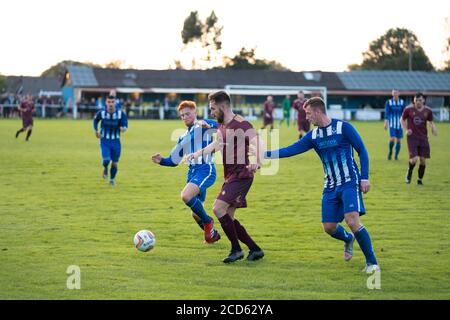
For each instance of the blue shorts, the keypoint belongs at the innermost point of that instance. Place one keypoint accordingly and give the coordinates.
(110, 149)
(203, 176)
(341, 200)
(396, 133)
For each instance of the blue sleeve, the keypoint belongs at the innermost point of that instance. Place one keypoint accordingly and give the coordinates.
(302, 145)
(175, 155)
(124, 121)
(386, 110)
(355, 140)
(97, 119)
(167, 162)
(212, 123)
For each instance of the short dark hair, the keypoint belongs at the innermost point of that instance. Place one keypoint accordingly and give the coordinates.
(111, 97)
(418, 95)
(315, 103)
(219, 97)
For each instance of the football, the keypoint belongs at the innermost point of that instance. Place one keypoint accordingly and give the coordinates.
(144, 240)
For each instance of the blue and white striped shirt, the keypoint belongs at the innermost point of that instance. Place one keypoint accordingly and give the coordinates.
(334, 144)
(111, 123)
(195, 138)
(393, 112)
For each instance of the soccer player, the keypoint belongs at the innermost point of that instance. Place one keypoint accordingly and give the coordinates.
(334, 141)
(286, 110)
(392, 118)
(26, 109)
(202, 172)
(113, 123)
(414, 121)
(269, 107)
(234, 137)
(303, 124)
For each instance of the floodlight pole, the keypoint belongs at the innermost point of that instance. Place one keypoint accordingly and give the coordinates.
(409, 54)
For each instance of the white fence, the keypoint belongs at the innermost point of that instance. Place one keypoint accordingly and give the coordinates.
(42, 110)
(439, 114)
(152, 112)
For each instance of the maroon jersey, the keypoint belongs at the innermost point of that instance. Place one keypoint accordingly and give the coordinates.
(417, 121)
(298, 105)
(236, 137)
(27, 109)
(268, 109)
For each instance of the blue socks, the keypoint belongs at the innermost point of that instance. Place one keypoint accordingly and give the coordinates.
(113, 172)
(198, 221)
(197, 207)
(391, 145)
(342, 234)
(363, 238)
(397, 149)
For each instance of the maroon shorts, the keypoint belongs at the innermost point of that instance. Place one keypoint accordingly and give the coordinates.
(418, 147)
(303, 125)
(26, 122)
(268, 120)
(234, 192)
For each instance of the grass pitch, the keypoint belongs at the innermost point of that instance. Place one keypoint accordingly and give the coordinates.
(56, 211)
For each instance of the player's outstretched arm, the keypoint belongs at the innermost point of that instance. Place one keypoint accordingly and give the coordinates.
(159, 159)
(355, 140)
(208, 124)
(176, 155)
(156, 158)
(166, 162)
(298, 147)
(210, 148)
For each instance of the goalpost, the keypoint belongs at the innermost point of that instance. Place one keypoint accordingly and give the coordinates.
(275, 90)
(255, 90)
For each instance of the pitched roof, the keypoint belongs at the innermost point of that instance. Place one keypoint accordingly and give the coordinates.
(353, 81)
(82, 76)
(216, 78)
(32, 85)
(401, 80)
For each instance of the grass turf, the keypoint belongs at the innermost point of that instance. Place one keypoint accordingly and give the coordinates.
(56, 211)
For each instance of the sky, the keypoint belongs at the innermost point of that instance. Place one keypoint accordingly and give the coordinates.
(302, 35)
